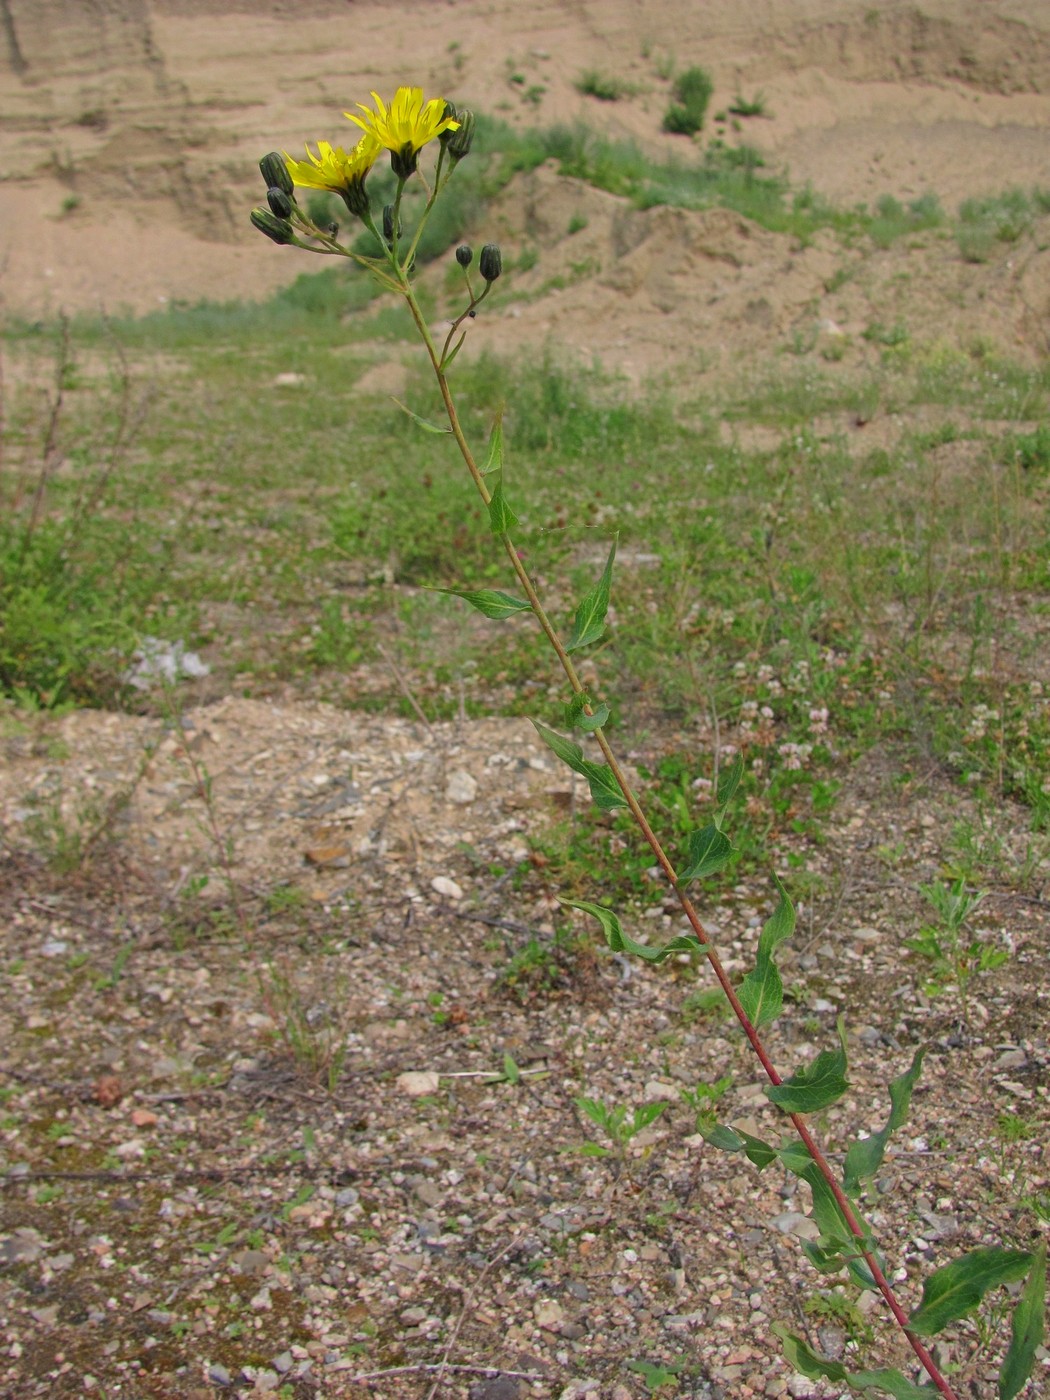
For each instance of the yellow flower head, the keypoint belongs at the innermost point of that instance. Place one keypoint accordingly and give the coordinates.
(406, 127)
(342, 172)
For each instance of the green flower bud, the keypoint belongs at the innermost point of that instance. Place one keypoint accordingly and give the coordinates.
(275, 172)
(388, 223)
(280, 230)
(355, 197)
(464, 255)
(279, 202)
(460, 142)
(490, 264)
(450, 111)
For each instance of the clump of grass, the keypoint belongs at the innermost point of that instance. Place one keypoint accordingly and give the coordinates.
(749, 107)
(692, 92)
(603, 86)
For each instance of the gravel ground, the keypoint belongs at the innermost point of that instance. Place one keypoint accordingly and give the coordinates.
(300, 1119)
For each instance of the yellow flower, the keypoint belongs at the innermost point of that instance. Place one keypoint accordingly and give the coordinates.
(342, 172)
(406, 127)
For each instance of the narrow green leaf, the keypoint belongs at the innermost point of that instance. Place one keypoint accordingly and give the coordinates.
(453, 352)
(620, 943)
(489, 601)
(494, 460)
(592, 1149)
(595, 1111)
(605, 790)
(565, 749)
(729, 780)
(890, 1380)
(805, 1360)
(1026, 1329)
(423, 422)
(590, 615)
(501, 517)
(779, 926)
(709, 850)
(864, 1157)
(728, 1139)
(761, 994)
(958, 1287)
(511, 1072)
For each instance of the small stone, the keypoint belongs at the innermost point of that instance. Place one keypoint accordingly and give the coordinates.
(328, 857)
(658, 1092)
(417, 1082)
(414, 1317)
(549, 1314)
(143, 1118)
(289, 379)
(447, 887)
(283, 1364)
(251, 1262)
(461, 788)
(792, 1222)
(218, 1375)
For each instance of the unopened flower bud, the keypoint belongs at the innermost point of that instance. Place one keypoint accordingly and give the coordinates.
(388, 223)
(461, 140)
(464, 255)
(275, 172)
(452, 113)
(280, 230)
(279, 202)
(490, 263)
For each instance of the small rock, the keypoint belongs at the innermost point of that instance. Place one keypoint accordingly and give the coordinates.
(658, 1092)
(549, 1314)
(496, 1388)
(417, 1082)
(792, 1222)
(251, 1262)
(328, 857)
(461, 788)
(413, 1317)
(53, 948)
(288, 379)
(446, 886)
(218, 1375)
(283, 1364)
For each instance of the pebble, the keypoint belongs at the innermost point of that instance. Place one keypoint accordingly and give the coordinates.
(792, 1222)
(461, 788)
(218, 1375)
(417, 1082)
(549, 1314)
(447, 887)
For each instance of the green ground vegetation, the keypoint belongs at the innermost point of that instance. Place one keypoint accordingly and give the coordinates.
(211, 476)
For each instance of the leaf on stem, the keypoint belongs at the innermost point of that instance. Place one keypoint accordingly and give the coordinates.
(494, 460)
(728, 1139)
(729, 781)
(590, 615)
(806, 1361)
(423, 422)
(489, 601)
(501, 517)
(1026, 1330)
(957, 1288)
(709, 850)
(816, 1086)
(605, 790)
(576, 714)
(452, 353)
(620, 943)
(761, 992)
(864, 1157)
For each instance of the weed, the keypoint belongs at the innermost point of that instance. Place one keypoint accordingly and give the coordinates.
(605, 88)
(955, 960)
(614, 1123)
(749, 107)
(692, 92)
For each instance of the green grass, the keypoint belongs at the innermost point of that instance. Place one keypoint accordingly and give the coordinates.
(288, 529)
(603, 86)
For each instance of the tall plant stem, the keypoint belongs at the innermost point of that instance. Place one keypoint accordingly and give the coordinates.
(665, 863)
